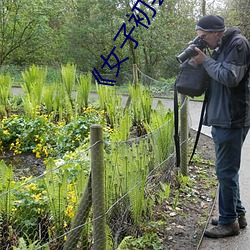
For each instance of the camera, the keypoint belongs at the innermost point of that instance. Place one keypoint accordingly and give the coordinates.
(190, 51)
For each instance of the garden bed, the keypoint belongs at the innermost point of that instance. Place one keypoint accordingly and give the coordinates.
(179, 221)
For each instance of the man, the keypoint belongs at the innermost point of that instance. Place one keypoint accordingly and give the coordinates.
(228, 112)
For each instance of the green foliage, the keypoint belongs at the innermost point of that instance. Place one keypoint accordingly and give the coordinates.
(141, 103)
(110, 102)
(43, 137)
(33, 85)
(128, 161)
(56, 183)
(63, 105)
(68, 74)
(48, 98)
(5, 90)
(122, 126)
(176, 199)
(147, 241)
(83, 91)
(23, 25)
(6, 184)
(30, 206)
(161, 126)
(164, 191)
(184, 181)
(126, 172)
(29, 245)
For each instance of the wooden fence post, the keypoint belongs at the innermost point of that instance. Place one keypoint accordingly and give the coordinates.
(135, 74)
(98, 194)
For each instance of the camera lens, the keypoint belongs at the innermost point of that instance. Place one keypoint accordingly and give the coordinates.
(187, 53)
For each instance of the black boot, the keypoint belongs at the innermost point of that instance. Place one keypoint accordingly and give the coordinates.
(221, 231)
(241, 219)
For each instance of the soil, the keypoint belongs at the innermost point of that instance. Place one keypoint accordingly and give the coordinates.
(25, 164)
(186, 223)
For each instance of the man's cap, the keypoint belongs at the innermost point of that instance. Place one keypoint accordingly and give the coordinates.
(210, 23)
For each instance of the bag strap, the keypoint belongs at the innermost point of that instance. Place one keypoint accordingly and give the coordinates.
(199, 127)
(176, 126)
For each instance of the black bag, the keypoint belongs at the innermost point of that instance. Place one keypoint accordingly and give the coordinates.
(192, 80)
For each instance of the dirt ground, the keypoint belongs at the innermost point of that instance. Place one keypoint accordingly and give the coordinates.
(187, 223)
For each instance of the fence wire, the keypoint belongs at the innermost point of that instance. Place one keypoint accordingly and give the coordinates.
(44, 210)
(41, 210)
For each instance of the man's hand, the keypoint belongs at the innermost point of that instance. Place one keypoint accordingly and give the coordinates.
(200, 58)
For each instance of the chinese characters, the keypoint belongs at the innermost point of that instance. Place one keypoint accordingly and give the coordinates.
(140, 18)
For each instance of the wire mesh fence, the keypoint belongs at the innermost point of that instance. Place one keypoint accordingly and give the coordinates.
(46, 210)
(56, 209)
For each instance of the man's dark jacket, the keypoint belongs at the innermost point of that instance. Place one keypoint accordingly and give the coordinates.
(228, 103)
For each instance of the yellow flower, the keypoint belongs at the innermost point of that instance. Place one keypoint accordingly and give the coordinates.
(73, 199)
(31, 187)
(6, 132)
(17, 152)
(103, 112)
(45, 151)
(14, 209)
(38, 156)
(37, 196)
(69, 211)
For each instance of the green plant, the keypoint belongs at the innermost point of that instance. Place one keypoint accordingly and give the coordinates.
(161, 128)
(184, 181)
(43, 137)
(34, 81)
(147, 241)
(23, 134)
(164, 191)
(56, 187)
(6, 196)
(176, 199)
(48, 98)
(68, 74)
(123, 124)
(126, 172)
(110, 102)
(5, 90)
(83, 91)
(29, 244)
(30, 208)
(104, 95)
(141, 103)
